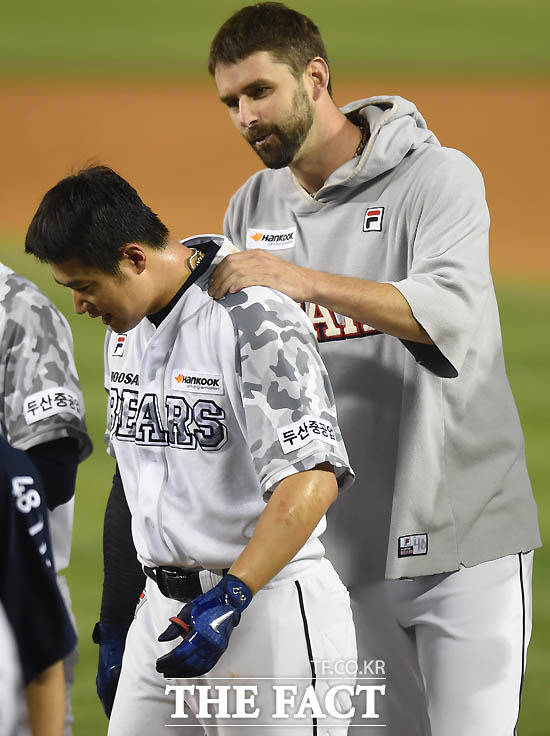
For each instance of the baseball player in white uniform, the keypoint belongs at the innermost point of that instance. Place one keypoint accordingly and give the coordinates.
(223, 425)
(42, 412)
(409, 331)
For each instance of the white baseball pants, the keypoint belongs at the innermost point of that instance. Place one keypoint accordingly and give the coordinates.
(472, 629)
(298, 624)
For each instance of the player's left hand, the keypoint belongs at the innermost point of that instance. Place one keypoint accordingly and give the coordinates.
(258, 267)
(206, 624)
(112, 640)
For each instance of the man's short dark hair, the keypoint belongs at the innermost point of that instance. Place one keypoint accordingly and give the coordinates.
(91, 216)
(291, 37)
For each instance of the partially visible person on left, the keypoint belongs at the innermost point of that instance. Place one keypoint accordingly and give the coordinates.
(32, 612)
(42, 413)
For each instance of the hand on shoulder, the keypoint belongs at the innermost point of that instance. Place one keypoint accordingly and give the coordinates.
(258, 268)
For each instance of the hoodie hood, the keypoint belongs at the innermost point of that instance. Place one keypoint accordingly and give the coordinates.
(396, 127)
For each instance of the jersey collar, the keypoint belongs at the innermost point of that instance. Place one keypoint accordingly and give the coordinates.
(210, 249)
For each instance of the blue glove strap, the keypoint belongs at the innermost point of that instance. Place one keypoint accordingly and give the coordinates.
(238, 593)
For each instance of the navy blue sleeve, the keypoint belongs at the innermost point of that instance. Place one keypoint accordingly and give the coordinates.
(28, 585)
(56, 462)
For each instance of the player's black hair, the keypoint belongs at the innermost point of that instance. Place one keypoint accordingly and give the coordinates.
(91, 216)
(291, 37)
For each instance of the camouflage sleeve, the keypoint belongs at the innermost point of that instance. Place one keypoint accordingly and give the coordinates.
(288, 401)
(40, 395)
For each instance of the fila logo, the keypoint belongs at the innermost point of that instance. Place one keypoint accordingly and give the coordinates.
(203, 383)
(270, 239)
(120, 345)
(373, 219)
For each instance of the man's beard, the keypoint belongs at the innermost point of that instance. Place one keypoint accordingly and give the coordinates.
(287, 137)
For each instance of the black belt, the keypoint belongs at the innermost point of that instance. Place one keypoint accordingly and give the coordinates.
(177, 582)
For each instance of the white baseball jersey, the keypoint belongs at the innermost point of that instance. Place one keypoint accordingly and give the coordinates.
(432, 431)
(40, 396)
(212, 404)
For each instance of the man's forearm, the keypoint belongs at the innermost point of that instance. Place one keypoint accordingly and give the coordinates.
(376, 304)
(46, 702)
(289, 518)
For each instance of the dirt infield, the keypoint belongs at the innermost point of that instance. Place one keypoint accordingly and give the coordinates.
(175, 143)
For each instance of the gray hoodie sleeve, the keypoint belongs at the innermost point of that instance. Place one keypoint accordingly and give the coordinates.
(227, 229)
(449, 280)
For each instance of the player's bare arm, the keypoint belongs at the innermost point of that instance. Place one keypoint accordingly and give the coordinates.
(290, 516)
(45, 697)
(377, 304)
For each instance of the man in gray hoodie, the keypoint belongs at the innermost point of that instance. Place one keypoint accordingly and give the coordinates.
(382, 235)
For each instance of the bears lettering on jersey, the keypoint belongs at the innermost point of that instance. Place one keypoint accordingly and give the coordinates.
(328, 327)
(175, 422)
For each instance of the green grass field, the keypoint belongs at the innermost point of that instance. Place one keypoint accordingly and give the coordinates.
(525, 313)
(169, 38)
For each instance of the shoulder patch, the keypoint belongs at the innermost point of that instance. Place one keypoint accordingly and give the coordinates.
(51, 401)
(308, 429)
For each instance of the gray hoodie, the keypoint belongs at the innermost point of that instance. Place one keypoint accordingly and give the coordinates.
(432, 431)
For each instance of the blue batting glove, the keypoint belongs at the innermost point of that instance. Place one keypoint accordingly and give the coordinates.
(206, 624)
(112, 640)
